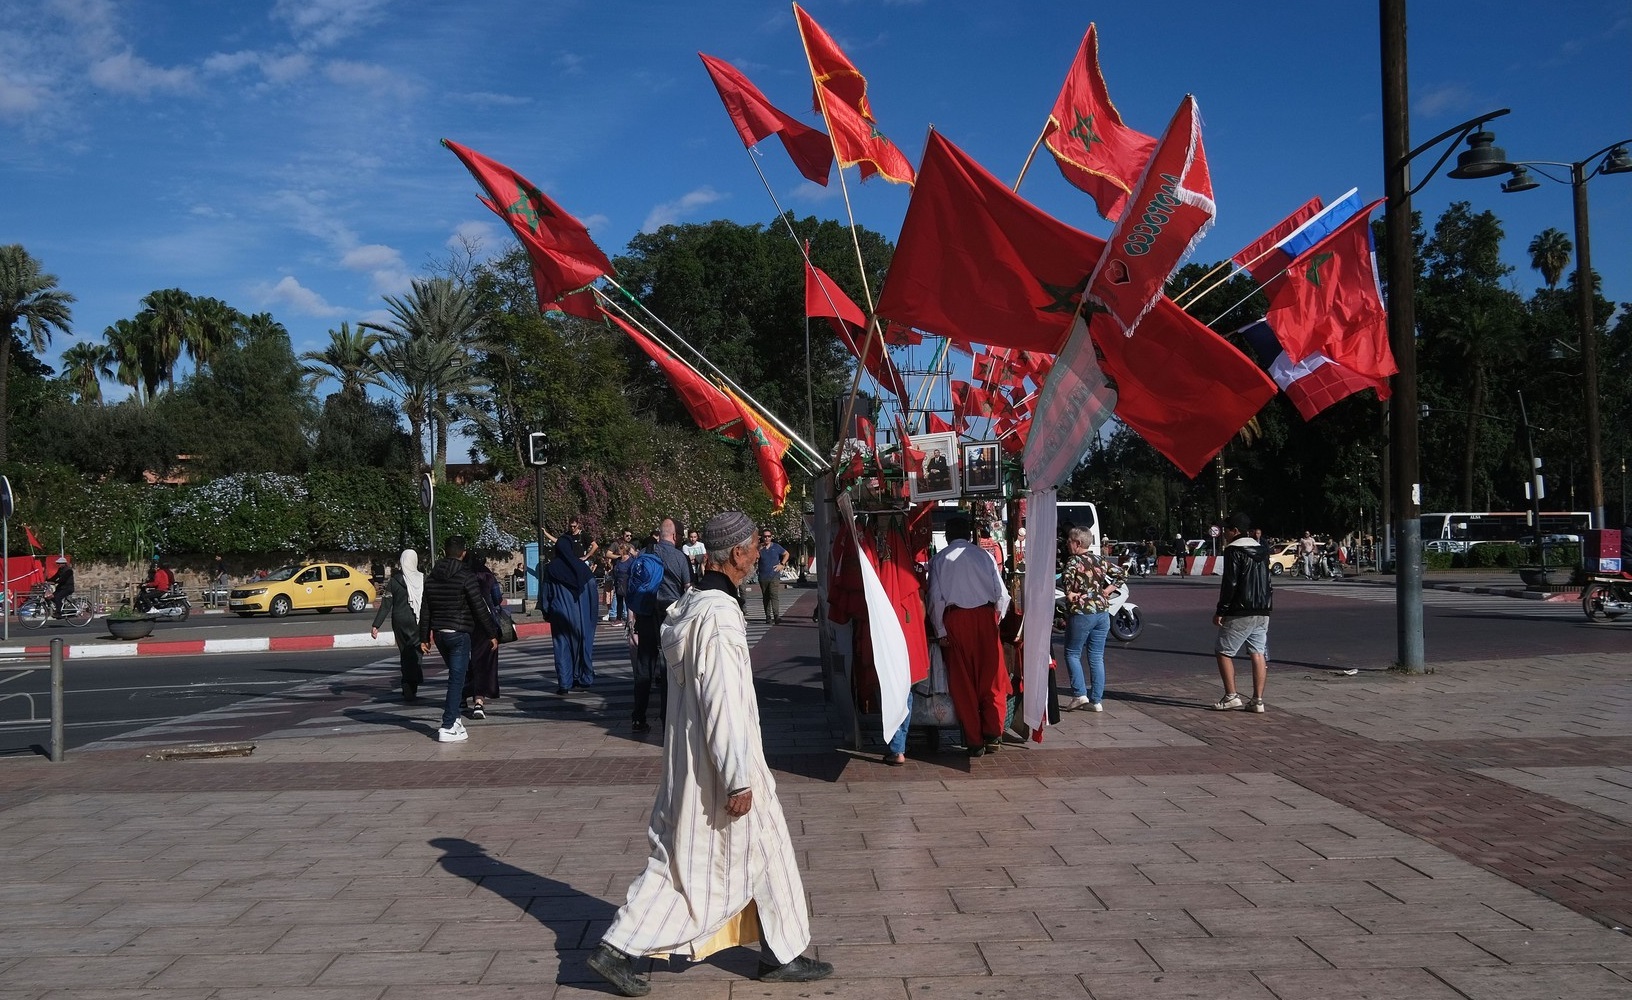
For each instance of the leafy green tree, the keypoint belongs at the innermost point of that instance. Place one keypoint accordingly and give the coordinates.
(1550, 254)
(247, 412)
(349, 360)
(31, 306)
(355, 432)
(84, 366)
(122, 442)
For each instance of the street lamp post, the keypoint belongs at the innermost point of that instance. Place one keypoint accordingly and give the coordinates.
(1618, 161)
(1481, 159)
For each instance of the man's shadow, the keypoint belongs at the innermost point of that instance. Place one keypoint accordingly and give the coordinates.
(576, 919)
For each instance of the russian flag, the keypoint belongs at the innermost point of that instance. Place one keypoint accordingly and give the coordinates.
(1312, 384)
(1317, 228)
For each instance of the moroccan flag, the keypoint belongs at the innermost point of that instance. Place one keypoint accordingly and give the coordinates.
(1249, 254)
(897, 335)
(912, 459)
(581, 304)
(768, 445)
(1093, 149)
(1314, 229)
(756, 118)
(1171, 210)
(708, 405)
(825, 299)
(995, 368)
(936, 424)
(977, 263)
(1329, 301)
(33, 543)
(564, 256)
(1312, 384)
(970, 401)
(840, 94)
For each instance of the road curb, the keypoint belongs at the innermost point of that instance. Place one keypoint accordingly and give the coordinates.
(257, 644)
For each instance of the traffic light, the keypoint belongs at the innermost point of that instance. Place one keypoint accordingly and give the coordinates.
(538, 449)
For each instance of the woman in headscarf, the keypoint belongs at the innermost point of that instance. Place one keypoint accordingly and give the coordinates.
(572, 616)
(404, 591)
(482, 679)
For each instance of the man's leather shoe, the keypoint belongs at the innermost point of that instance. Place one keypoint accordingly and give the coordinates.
(800, 970)
(619, 969)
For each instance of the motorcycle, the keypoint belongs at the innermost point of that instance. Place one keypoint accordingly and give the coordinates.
(1606, 598)
(1126, 620)
(165, 606)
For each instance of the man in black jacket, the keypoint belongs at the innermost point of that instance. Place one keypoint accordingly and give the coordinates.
(455, 613)
(1242, 616)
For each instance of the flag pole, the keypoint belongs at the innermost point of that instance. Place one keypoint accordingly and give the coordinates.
(1186, 292)
(765, 412)
(1026, 167)
(1249, 295)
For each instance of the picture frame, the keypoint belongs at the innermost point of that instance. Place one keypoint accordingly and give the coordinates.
(939, 478)
(982, 467)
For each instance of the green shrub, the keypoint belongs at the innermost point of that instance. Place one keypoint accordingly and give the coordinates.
(1496, 554)
(1438, 560)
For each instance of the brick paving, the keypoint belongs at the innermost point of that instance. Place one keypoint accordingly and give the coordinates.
(1376, 836)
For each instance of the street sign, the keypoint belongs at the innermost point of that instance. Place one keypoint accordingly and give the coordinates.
(1213, 532)
(7, 502)
(427, 492)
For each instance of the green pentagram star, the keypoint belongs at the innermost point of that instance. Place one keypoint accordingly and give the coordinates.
(1313, 273)
(1084, 132)
(1065, 298)
(529, 208)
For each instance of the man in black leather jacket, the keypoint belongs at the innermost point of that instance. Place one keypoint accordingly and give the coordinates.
(456, 615)
(1242, 616)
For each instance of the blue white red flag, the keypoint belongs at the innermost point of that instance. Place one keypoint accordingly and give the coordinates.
(1312, 384)
(1312, 231)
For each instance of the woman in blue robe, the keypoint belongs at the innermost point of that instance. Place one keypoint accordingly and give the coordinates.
(572, 602)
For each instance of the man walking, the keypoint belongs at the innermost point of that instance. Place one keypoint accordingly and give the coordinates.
(967, 599)
(1242, 615)
(722, 871)
(772, 557)
(650, 607)
(454, 612)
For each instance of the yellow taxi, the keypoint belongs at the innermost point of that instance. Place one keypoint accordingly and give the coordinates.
(318, 585)
(1284, 558)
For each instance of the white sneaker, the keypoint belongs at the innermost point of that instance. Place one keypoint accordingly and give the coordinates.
(1095, 706)
(1228, 702)
(1072, 704)
(453, 734)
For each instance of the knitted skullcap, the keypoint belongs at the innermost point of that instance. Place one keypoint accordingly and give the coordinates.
(727, 530)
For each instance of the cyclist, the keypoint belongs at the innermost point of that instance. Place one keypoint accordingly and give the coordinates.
(63, 583)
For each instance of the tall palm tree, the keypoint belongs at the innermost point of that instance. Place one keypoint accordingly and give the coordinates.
(171, 326)
(30, 297)
(443, 313)
(135, 363)
(349, 360)
(260, 326)
(1550, 254)
(84, 366)
(214, 326)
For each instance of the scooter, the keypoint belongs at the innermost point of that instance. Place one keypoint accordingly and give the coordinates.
(1606, 598)
(1126, 620)
(169, 606)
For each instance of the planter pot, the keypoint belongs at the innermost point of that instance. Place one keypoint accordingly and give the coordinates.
(1536, 577)
(129, 628)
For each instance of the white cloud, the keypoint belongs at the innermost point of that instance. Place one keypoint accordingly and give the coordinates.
(569, 63)
(128, 73)
(1439, 100)
(596, 221)
(808, 191)
(368, 76)
(324, 23)
(292, 294)
(18, 98)
(488, 99)
(670, 212)
(476, 231)
(386, 273)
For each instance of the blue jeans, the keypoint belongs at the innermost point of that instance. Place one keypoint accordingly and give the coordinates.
(1089, 631)
(898, 742)
(455, 650)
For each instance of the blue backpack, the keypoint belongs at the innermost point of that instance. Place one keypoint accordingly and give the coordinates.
(645, 576)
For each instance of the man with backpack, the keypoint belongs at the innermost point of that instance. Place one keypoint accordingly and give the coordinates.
(657, 578)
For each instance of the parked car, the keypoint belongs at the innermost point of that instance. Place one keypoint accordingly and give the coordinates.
(317, 586)
(1283, 558)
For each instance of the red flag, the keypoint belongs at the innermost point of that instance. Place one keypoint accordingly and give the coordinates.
(995, 368)
(564, 256)
(1328, 301)
(581, 304)
(1262, 245)
(840, 94)
(970, 401)
(768, 445)
(708, 405)
(1172, 209)
(824, 298)
(865, 430)
(1312, 384)
(936, 423)
(756, 118)
(912, 459)
(976, 263)
(1092, 147)
(897, 335)
(33, 543)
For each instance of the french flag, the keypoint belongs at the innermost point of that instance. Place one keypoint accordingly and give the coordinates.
(1312, 384)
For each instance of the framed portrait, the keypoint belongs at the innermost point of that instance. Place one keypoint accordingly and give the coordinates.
(938, 479)
(980, 467)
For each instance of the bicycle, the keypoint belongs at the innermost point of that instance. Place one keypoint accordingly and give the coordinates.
(39, 608)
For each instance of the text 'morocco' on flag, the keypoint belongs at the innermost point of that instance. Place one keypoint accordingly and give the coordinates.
(757, 118)
(1168, 213)
(1085, 134)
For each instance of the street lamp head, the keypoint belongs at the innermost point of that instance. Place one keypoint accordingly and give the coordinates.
(1482, 158)
(1520, 181)
(1617, 162)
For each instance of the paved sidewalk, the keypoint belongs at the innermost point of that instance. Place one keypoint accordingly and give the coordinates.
(1462, 835)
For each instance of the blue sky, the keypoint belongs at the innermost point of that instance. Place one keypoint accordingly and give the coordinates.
(283, 156)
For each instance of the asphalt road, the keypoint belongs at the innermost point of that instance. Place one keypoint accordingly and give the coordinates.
(1316, 626)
